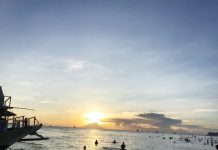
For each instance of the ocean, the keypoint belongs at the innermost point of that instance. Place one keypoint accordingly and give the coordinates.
(62, 138)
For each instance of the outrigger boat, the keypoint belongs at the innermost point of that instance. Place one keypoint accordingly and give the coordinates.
(14, 129)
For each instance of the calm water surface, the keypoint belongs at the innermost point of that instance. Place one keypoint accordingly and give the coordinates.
(74, 139)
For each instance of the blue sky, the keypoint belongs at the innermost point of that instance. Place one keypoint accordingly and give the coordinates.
(112, 56)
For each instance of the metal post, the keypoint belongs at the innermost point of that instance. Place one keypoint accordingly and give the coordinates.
(23, 121)
(10, 102)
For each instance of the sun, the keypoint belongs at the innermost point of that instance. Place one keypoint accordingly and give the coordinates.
(94, 117)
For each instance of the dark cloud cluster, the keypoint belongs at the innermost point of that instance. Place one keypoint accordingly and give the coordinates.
(155, 120)
(190, 126)
(128, 122)
(159, 120)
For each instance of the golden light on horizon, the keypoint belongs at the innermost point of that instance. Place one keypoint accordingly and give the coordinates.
(94, 117)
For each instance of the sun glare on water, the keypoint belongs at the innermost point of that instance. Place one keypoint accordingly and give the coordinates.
(94, 117)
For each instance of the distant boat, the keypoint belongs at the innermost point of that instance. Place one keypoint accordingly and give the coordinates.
(212, 134)
(13, 128)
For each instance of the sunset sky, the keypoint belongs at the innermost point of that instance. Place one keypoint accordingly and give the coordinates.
(131, 63)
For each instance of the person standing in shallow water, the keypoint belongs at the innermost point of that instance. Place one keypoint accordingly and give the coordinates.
(96, 142)
(123, 146)
(84, 148)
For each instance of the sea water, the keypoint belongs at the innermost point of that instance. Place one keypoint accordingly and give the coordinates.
(62, 138)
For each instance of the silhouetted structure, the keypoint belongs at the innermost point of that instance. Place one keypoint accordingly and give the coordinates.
(1, 97)
(212, 134)
(13, 128)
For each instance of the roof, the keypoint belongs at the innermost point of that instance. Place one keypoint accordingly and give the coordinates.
(6, 113)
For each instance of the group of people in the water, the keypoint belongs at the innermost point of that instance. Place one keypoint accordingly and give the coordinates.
(209, 141)
(123, 146)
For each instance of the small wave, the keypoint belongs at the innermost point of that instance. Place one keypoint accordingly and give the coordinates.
(67, 137)
(16, 149)
(110, 148)
(32, 143)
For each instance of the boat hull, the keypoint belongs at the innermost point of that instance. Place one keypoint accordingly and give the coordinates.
(10, 137)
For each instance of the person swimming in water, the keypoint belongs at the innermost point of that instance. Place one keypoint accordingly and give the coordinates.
(96, 142)
(123, 146)
(114, 142)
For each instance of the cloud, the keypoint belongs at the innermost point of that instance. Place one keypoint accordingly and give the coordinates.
(205, 110)
(74, 65)
(45, 101)
(79, 65)
(93, 126)
(153, 120)
(189, 126)
(127, 122)
(160, 120)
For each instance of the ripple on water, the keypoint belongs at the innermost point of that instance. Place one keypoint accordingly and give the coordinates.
(75, 139)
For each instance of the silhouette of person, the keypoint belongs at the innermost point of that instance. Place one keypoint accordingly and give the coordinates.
(123, 146)
(84, 148)
(216, 147)
(25, 122)
(18, 124)
(114, 142)
(14, 123)
(96, 142)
